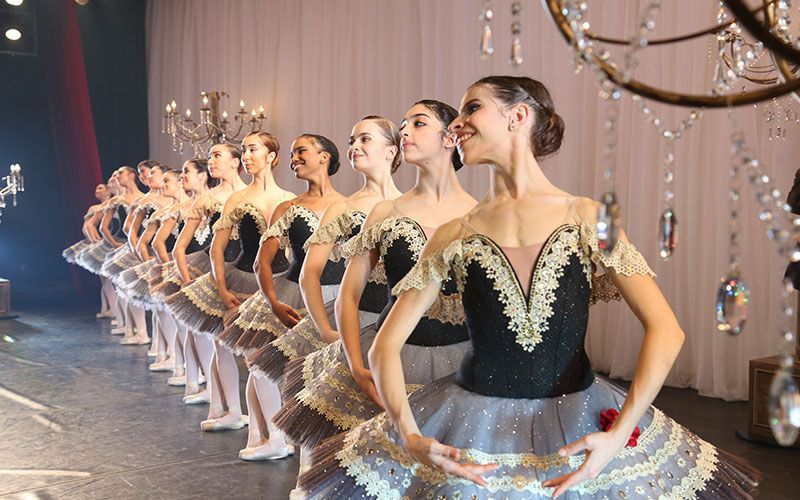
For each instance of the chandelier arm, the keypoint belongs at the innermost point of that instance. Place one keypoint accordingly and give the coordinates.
(762, 33)
(785, 73)
(666, 96)
(680, 38)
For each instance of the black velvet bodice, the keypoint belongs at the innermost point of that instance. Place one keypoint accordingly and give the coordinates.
(194, 245)
(400, 246)
(374, 297)
(231, 249)
(249, 237)
(118, 221)
(301, 225)
(526, 347)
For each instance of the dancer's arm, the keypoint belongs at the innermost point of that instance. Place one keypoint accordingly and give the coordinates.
(222, 236)
(191, 224)
(663, 338)
(90, 227)
(263, 269)
(136, 219)
(105, 230)
(387, 368)
(160, 239)
(143, 243)
(354, 281)
(313, 266)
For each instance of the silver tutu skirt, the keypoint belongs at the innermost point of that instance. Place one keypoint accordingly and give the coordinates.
(303, 340)
(321, 399)
(94, 256)
(118, 261)
(255, 324)
(134, 285)
(72, 251)
(198, 306)
(166, 279)
(523, 437)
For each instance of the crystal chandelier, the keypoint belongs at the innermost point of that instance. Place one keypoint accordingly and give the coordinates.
(212, 127)
(15, 183)
(756, 59)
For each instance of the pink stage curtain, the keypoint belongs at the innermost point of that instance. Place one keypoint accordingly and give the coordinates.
(320, 65)
(77, 157)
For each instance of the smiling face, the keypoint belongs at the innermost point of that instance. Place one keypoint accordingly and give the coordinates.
(221, 161)
(256, 156)
(424, 137)
(307, 158)
(369, 148)
(481, 128)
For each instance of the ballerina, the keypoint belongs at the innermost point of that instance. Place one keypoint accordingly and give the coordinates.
(332, 389)
(91, 220)
(279, 306)
(524, 417)
(202, 305)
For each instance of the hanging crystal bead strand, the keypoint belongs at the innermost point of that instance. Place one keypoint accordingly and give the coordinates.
(668, 223)
(609, 211)
(733, 296)
(784, 399)
(486, 47)
(516, 29)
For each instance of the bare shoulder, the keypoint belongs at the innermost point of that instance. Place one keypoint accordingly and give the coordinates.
(233, 201)
(333, 211)
(380, 212)
(586, 209)
(280, 210)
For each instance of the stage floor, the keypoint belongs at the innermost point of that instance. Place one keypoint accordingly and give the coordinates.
(81, 417)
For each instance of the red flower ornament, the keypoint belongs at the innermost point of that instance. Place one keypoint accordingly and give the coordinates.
(607, 418)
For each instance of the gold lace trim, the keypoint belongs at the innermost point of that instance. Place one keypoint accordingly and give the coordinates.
(281, 226)
(435, 268)
(352, 459)
(625, 259)
(335, 231)
(231, 219)
(378, 274)
(204, 213)
(382, 234)
(201, 292)
(447, 309)
(304, 329)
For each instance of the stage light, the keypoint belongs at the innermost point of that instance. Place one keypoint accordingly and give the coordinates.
(13, 34)
(81, 2)
(15, 3)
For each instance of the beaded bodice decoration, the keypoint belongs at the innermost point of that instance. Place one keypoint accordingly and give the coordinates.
(337, 231)
(247, 224)
(399, 241)
(293, 230)
(527, 346)
(146, 210)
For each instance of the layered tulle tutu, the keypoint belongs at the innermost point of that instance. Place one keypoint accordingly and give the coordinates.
(198, 306)
(134, 283)
(94, 256)
(166, 279)
(523, 437)
(255, 324)
(320, 397)
(71, 252)
(302, 340)
(118, 261)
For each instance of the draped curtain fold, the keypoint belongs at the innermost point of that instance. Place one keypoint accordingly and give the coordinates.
(320, 65)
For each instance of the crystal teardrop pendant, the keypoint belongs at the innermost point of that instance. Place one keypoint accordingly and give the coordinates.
(784, 407)
(516, 52)
(608, 222)
(667, 233)
(733, 300)
(487, 45)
